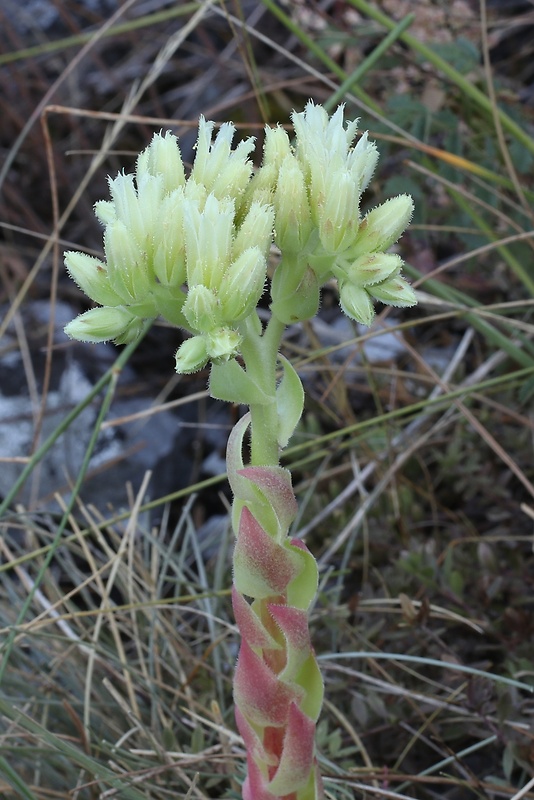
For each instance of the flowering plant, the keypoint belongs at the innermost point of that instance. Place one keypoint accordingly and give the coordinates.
(194, 250)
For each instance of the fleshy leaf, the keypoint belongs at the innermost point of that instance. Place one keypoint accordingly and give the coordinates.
(250, 626)
(297, 758)
(230, 382)
(262, 567)
(276, 489)
(293, 622)
(259, 694)
(289, 402)
(303, 587)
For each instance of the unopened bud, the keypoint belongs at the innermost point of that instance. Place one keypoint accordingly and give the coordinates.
(223, 344)
(356, 303)
(105, 211)
(374, 268)
(127, 268)
(222, 171)
(91, 276)
(261, 187)
(201, 309)
(103, 324)
(395, 292)
(150, 197)
(276, 147)
(192, 355)
(382, 226)
(169, 248)
(126, 203)
(362, 161)
(208, 240)
(256, 230)
(162, 157)
(242, 285)
(338, 221)
(293, 223)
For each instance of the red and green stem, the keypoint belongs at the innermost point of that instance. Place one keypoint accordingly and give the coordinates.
(277, 687)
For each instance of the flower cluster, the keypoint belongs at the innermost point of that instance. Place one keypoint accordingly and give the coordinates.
(174, 248)
(194, 249)
(317, 189)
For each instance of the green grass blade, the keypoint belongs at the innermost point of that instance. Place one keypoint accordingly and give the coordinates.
(82, 38)
(114, 375)
(73, 754)
(318, 52)
(465, 86)
(349, 84)
(15, 781)
(433, 662)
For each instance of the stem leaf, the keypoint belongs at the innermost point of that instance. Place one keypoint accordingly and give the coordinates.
(232, 383)
(289, 402)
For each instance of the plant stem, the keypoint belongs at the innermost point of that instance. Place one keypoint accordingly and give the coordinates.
(260, 354)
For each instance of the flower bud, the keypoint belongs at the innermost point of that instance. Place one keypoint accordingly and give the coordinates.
(103, 324)
(382, 226)
(126, 203)
(356, 303)
(169, 248)
(192, 355)
(150, 195)
(395, 292)
(338, 220)
(233, 179)
(196, 193)
(162, 157)
(373, 268)
(127, 268)
(242, 285)
(208, 240)
(91, 276)
(322, 142)
(201, 309)
(211, 155)
(256, 230)
(276, 147)
(260, 189)
(105, 211)
(310, 129)
(293, 223)
(362, 162)
(222, 171)
(222, 344)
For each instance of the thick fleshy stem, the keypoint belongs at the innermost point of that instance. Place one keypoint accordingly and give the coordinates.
(278, 688)
(260, 354)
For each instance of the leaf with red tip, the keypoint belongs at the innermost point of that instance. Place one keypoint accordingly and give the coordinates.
(297, 757)
(293, 622)
(275, 485)
(250, 626)
(258, 693)
(255, 785)
(262, 567)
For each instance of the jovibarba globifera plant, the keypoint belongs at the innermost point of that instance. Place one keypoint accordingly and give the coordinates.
(193, 249)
